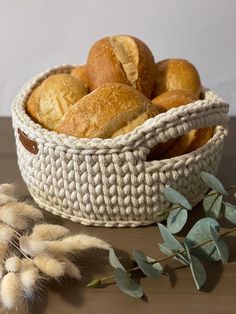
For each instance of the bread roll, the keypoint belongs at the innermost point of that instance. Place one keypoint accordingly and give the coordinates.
(172, 74)
(121, 59)
(110, 110)
(80, 73)
(174, 98)
(51, 100)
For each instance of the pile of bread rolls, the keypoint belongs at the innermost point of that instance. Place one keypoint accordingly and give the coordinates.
(118, 89)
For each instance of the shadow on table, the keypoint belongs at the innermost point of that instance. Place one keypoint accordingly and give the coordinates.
(92, 264)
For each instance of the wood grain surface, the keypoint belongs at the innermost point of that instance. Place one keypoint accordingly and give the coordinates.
(173, 294)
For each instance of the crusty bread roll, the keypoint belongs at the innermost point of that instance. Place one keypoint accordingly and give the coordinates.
(80, 73)
(174, 98)
(121, 59)
(183, 144)
(110, 110)
(50, 100)
(172, 74)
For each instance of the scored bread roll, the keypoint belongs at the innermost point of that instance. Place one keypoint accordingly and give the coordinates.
(80, 73)
(110, 110)
(121, 59)
(172, 74)
(50, 100)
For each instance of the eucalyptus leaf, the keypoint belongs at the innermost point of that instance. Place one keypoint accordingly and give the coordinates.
(164, 249)
(176, 198)
(230, 212)
(95, 283)
(113, 260)
(212, 204)
(200, 233)
(150, 259)
(169, 239)
(151, 271)
(180, 257)
(127, 284)
(197, 269)
(220, 245)
(213, 182)
(176, 220)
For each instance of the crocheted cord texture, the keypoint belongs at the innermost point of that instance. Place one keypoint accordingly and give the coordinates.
(108, 182)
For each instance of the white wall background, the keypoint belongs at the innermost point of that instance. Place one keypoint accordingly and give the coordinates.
(37, 34)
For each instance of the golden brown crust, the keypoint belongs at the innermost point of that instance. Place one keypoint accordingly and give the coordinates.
(121, 59)
(80, 73)
(174, 74)
(146, 68)
(202, 136)
(181, 145)
(49, 102)
(110, 110)
(31, 106)
(169, 100)
(174, 98)
(103, 66)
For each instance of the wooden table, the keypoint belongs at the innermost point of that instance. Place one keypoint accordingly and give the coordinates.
(176, 294)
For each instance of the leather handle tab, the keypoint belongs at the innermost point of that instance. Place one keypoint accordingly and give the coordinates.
(29, 144)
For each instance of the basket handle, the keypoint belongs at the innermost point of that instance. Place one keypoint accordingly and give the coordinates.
(179, 121)
(28, 144)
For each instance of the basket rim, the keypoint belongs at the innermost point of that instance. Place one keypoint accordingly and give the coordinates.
(133, 139)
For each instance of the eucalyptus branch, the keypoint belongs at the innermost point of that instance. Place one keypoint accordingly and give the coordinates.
(166, 258)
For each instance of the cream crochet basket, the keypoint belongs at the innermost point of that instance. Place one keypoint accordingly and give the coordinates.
(110, 182)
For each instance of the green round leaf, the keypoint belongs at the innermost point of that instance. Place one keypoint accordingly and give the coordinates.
(200, 233)
(176, 198)
(151, 271)
(230, 212)
(176, 220)
(164, 249)
(127, 284)
(213, 182)
(197, 269)
(212, 205)
(220, 245)
(169, 239)
(113, 260)
(181, 257)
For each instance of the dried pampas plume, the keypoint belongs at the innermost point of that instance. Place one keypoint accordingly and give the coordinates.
(31, 250)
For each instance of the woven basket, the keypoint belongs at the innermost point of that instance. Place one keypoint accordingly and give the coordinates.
(109, 182)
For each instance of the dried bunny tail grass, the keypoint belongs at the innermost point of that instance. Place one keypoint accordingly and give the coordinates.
(6, 233)
(13, 264)
(4, 199)
(11, 291)
(1, 270)
(48, 232)
(76, 243)
(29, 276)
(7, 189)
(50, 266)
(71, 269)
(27, 263)
(17, 214)
(31, 246)
(8, 216)
(3, 250)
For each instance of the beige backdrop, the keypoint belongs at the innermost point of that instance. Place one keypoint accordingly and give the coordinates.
(38, 34)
